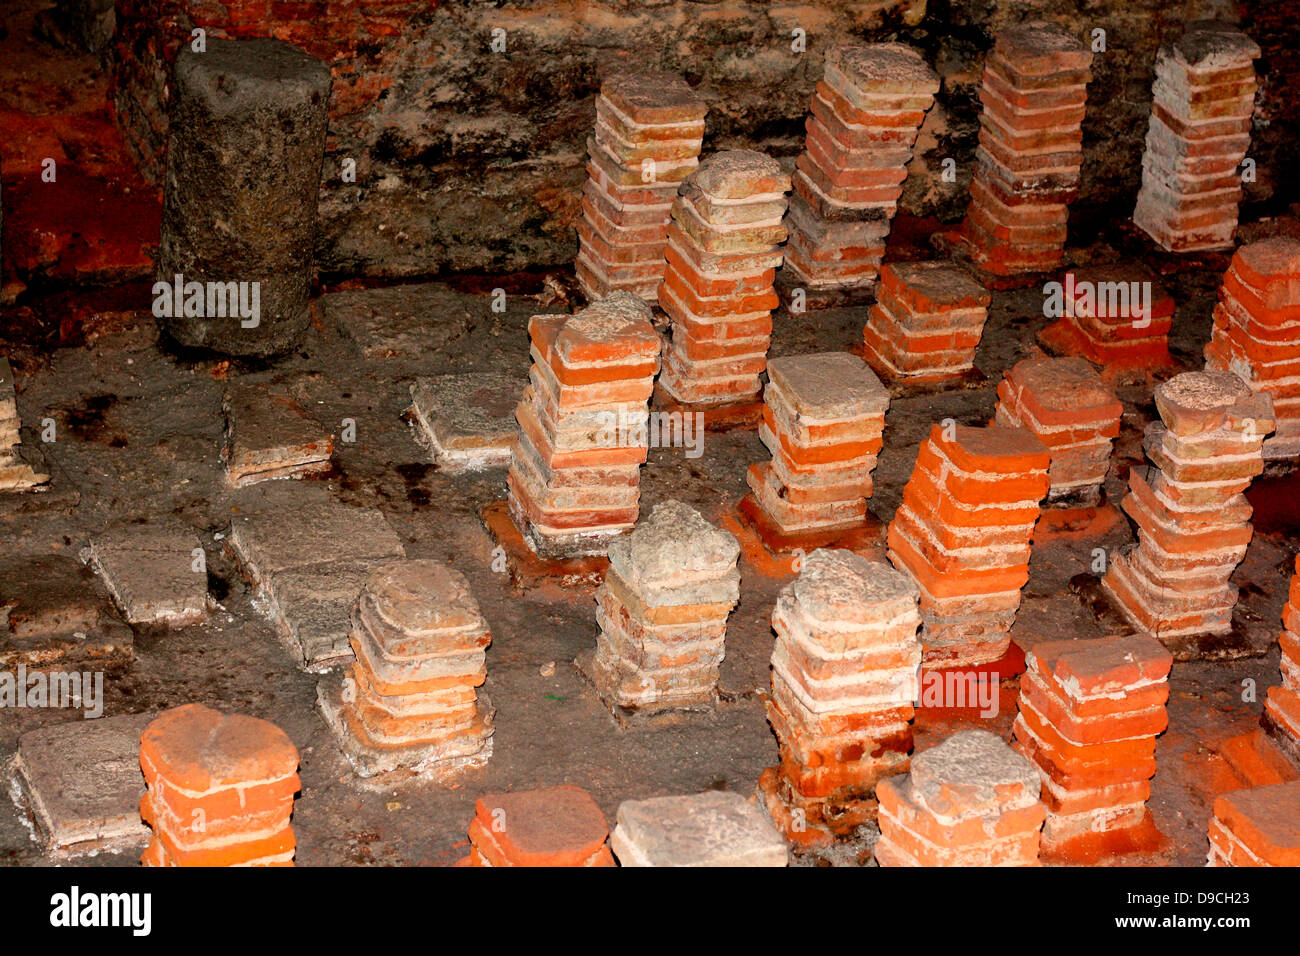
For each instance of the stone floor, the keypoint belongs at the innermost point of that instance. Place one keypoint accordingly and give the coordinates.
(139, 435)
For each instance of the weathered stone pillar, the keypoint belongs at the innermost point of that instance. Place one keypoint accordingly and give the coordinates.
(247, 140)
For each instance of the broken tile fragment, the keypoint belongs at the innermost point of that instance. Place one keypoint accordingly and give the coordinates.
(844, 679)
(55, 613)
(467, 420)
(155, 571)
(662, 611)
(20, 470)
(220, 789)
(409, 700)
(555, 826)
(82, 784)
(268, 436)
(968, 801)
(714, 828)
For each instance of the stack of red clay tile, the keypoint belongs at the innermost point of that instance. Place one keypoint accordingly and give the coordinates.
(649, 127)
(823, 421)
(1203, 98)
(1066, 404)
(963, 532)
(843, 685)
(556, 826)
(926, 323)
(220, 789)
(1034, 94)
(1257, 332)
(969, 801)
(1192, 516)
(575, 473)
(866, 115)
(420, 645)
(1117, 316)
(1282, 708)
(1257, 827)
(662, 610)
(722, 253)
(1090, 711)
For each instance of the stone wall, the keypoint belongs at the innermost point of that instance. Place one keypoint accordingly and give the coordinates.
(470, 158)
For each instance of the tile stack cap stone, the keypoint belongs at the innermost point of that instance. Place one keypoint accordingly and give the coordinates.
(973, 769)
(1041, 49)
(1269, 262)
(654, 96)
(1071, 385)
(943, 285)
(422, 598)
(838, 587)
(675, 544)
(621, 317)
(198, 749)
(843, 385)
(1195, 402)
(883, 68)
(555, 826)
(738, 174)
(994, 449)
(714, 828)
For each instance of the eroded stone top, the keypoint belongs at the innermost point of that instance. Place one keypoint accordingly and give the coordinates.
(199, 749)
(1039, 48)
(1194, 402)
(675, 541)
(553, 820)
(883, 67)
(740, 174)
(654, 97)
(714, 828)
(238, 76)
(424, 597)
(970, 769)
(829, 385)
(1213, 44)
(840, 586)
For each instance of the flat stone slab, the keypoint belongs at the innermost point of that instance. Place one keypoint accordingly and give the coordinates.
(306, 590)
(269, 435)
(312, 608)
(150, 571)
(714, 828)
(315, 533)
(676, 547)
(840, 587)
(81, 783)
(54, 612)
(467, 421)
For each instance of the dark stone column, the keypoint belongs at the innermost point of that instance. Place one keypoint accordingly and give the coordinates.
(244, 155)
